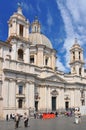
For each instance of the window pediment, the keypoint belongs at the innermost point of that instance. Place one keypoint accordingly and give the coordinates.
(55, 78)
(54, 93)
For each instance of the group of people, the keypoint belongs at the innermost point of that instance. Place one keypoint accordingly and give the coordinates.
(77, 114)
(36, 115)
(17, 117)
(40, 115)
(10, 117)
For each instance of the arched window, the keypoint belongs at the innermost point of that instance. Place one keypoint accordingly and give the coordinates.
(79, 55)
(46, 61)
(80, 71)
(32, 59)
(20, 54)
(73, 55)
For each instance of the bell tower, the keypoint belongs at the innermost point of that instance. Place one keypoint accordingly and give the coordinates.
(76, 59)
(18, 36)
(18, 25)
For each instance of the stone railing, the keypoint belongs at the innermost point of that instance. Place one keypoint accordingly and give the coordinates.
(18, 66)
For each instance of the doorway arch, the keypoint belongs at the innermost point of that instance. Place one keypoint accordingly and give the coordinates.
(66, 105)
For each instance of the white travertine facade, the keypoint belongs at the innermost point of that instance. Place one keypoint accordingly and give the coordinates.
(29, 80)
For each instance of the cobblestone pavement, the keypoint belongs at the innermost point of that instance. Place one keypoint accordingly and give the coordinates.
(60, 123)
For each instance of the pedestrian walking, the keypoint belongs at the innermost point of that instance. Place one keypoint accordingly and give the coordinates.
(77, 116)
(26, 118)
(7, 117)
(17, 119)
(10, 116)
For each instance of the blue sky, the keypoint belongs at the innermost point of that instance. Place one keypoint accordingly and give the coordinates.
(62, 21)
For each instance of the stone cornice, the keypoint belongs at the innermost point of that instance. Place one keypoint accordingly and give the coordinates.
(18, 38)
(19, 72)
(75, 83)
(77, 61)
(18, 81)
(3, 43)
(10, 79)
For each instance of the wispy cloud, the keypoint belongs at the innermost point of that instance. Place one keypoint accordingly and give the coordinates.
(38, 7)
(59, 65)
(49, 20)
(25, 6)
(74, 18)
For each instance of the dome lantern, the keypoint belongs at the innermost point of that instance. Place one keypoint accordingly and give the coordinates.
(35, 26)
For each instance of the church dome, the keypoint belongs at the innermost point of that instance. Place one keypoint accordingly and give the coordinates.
(76, 45)
(38, 38)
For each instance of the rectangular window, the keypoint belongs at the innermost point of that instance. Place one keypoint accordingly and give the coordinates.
(53, 103)
(32, 59)
(20, 89)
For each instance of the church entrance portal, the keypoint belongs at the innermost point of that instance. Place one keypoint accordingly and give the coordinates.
(36, 105)
(53, 103)
(66, 105)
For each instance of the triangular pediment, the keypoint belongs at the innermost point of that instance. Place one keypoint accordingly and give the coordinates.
(55, 78)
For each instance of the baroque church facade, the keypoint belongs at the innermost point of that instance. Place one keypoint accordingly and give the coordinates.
(29, 80)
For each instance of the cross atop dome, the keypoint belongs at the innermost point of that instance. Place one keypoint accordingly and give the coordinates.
(75, 40)
(19, 10)
(36, 19)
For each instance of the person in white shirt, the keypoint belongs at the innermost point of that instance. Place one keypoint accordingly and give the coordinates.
(25, 119)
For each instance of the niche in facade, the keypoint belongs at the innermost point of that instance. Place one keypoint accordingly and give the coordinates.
(20, 54)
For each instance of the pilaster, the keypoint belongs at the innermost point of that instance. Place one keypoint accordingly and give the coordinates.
(27, 55)
(12, 93)
(27, 95)
(31, 95)
(14, 51)
(5, 94)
